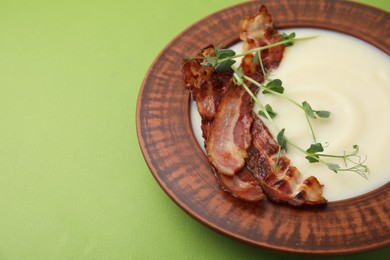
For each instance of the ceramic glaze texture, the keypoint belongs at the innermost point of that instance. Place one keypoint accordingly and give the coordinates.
(180, 167)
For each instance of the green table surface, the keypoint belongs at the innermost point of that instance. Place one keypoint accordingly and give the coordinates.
(73, 181)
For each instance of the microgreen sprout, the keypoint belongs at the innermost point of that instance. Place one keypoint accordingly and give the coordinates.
(285, 36)
(270, 111)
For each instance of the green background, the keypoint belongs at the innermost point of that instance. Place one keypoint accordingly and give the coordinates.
(73, 181)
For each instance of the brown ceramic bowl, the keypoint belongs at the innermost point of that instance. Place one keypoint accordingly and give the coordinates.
(180, 167)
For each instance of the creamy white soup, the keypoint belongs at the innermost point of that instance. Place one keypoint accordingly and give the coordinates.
(347, 77)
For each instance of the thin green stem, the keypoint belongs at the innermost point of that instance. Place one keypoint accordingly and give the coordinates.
(266, 47)
(311, 128)
(262, 65)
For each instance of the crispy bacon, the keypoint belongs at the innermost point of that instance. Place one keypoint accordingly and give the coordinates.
(208, 88)
(230, 136)
(257, 31)
(279, 180)
(243, 185)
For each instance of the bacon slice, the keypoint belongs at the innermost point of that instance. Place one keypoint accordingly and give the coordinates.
(208, 88)
(280, 181)
(230, 136)
(243, 185)
(258, 30)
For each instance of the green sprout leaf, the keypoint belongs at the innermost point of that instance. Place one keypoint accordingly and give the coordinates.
(238, 77)
(322, 113)
(315, 148)
(333, 166)
(281, 139)
(269, 110)
(210, 61)
(308, 110)
(256, 57)
(224, 53)
(224, 66)
(288, 37)
(275, 85)
(312, 156)
(239, 72)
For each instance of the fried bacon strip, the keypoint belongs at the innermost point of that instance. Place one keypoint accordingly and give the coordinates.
(208, 89)
(235, 136)
(230, 137)
(257, 31)
(279, 180)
